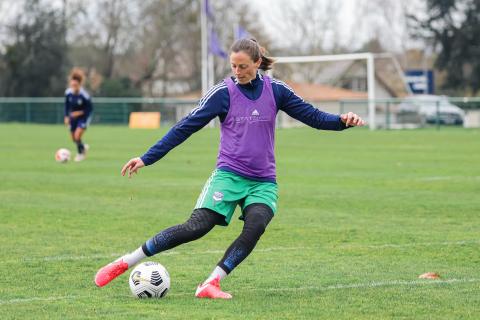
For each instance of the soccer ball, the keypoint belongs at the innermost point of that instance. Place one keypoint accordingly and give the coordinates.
(149, 280)
(62, 155)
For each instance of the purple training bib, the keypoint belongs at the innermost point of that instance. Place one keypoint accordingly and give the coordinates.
(248, 133)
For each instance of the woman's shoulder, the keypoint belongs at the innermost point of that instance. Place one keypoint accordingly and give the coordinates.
(280, 84)
(218, 89)
(84, 93)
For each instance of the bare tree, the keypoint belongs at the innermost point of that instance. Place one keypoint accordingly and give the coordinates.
(167, 55)
(100, 31)
(306, 27)
(166, 33)
(115, 19)
(384, 21)
(154, 43)
(228, 16)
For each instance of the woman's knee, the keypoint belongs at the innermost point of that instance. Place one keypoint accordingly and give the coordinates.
(257, 217)
(202, 220)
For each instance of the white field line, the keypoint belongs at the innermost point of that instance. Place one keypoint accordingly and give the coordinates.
(272, 249)
(374, 284)
(421, 244)
(116, 255)
(443, 178)
(34, 299)
(340, 286)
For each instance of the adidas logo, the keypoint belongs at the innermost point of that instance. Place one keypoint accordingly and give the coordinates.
(255, 113)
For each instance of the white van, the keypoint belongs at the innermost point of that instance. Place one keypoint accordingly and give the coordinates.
(431, 107)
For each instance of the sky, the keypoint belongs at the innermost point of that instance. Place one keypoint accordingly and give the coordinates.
(354, 27)
(357, 20)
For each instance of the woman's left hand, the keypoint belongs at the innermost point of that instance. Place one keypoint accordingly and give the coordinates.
(352, 120)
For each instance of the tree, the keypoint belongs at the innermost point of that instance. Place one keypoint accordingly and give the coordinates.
(114, 16)
(118, 87)
(166, 57)
(100, 32)
(167, 46)
(306, 27)
(228, 16)
(452, 27)
(154, 43)
(3, 80)
(36, 61)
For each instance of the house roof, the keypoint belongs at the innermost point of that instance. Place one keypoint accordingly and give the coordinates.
(332, 71)
(321, 92)
(385, 73)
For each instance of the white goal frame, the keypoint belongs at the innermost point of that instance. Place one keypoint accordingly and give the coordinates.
(369, 57)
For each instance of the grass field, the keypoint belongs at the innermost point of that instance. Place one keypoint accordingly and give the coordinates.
(361, 215)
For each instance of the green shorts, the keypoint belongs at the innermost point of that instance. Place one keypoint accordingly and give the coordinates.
(224, 190)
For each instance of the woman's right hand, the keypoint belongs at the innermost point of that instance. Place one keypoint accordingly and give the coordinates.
(132, 166)
(66, 120)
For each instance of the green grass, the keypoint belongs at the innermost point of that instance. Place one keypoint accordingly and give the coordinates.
(361, 215)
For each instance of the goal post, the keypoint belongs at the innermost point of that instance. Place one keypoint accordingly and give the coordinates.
(367, 56)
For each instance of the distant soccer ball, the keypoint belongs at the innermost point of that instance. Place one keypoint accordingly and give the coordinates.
(149, 280)
(62, 155)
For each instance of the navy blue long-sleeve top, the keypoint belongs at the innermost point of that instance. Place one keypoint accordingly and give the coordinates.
(217, 103)
(78, 102)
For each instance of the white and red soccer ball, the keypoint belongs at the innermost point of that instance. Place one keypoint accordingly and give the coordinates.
(62, 155)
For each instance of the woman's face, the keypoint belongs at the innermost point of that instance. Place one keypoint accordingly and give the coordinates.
(75, 86)
(243, 67)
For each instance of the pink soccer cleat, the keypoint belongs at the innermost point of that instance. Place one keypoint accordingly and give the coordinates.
(212, 290)
(110, 272)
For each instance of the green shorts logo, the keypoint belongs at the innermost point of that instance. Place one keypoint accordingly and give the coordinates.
(217, 196)
(225, 190)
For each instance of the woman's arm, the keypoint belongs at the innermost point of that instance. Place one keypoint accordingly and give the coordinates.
(88, 106)
(66, 119)
(214, 103)
(298, 109)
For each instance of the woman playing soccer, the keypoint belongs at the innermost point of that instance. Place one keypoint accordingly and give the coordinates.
(247, 105)
(78, 111)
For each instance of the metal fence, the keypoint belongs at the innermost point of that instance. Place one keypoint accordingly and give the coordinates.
(389, 113)
(106, 110)
(416, 112)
